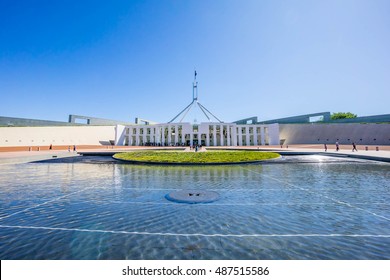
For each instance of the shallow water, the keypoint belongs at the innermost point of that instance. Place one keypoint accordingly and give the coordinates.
(321, 208)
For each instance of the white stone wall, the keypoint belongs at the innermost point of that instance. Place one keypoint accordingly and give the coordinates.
(274, 134)
(119, 134)
(362, 134)
(56, 135)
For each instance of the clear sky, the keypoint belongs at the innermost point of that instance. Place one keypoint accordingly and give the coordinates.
(126, 59)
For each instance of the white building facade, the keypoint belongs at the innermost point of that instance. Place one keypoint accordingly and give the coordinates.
(205, 134)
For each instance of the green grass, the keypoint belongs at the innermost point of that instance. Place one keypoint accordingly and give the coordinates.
(196, 158)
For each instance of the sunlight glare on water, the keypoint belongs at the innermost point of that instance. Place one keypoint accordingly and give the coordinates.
(317, 209)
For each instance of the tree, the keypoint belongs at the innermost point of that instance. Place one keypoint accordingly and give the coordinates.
(341, 115)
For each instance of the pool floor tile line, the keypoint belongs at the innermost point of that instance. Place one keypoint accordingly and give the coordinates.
(197, 234)
(212, 204)
(44, 203)
(204, 178)
(217, 189)
(225, 204)
(47, 202)
(321, 195)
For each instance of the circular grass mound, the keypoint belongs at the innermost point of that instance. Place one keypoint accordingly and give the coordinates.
(203, 158)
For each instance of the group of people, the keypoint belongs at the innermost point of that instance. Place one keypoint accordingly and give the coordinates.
(338, 147)
(74, 148)
(195, 147)
(69, 148)
(154, 144)
(51, 148)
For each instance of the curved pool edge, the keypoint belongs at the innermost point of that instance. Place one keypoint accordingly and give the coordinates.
(193, 163)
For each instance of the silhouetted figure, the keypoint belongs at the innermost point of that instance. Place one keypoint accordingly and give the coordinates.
(354, 147)
(325, 147)
(337, 146)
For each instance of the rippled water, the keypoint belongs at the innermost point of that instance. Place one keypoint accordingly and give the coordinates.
(83, 210)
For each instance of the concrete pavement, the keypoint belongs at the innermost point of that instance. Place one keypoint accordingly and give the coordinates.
(383, 154)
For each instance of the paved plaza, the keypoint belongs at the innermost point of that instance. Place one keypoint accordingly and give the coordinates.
(382, 154)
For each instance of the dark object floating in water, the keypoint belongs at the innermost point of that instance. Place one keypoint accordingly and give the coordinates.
(192, 196)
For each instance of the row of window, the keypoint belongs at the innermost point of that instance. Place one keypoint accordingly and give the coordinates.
(149, 131)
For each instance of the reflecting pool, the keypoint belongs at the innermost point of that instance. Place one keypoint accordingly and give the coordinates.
(318, 208)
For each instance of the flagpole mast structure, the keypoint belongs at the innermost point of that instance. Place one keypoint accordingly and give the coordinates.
(195, 88)
(193, 103)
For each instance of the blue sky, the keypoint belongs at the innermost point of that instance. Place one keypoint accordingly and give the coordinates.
(127, 59)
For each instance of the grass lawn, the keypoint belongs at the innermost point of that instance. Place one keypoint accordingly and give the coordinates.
(196, 157)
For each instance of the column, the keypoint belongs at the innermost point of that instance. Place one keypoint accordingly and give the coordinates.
(144, 135)
(255, 136)
(130, 134)
(156, 135)
(221, 134)
(137, 136)
(228, 135)
(151, 135)
(133, 135)
(161, 137)
(239, 136)
(262, 135)
(234, 135)
(176, 134)
(191, 138)
(208, 136)
(165, 140)
(215, 135)
(169, 135)
(247, 134)
(183, 135)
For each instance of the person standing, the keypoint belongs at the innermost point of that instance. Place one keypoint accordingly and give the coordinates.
(354, 147)
(325, 147)
(337, 146)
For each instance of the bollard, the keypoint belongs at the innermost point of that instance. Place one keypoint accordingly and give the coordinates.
(366, 148)
(377, 148)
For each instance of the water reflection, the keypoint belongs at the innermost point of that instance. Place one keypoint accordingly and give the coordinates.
(109, 211)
